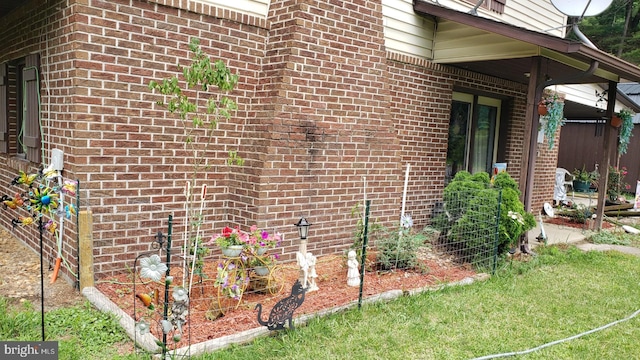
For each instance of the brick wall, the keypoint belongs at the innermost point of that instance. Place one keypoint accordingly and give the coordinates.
(326, 118)
(40, 27)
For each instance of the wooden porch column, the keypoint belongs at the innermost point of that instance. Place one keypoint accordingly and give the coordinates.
(609, 142)
(530, 142)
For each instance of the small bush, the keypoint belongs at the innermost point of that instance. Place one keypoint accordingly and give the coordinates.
(398, 249)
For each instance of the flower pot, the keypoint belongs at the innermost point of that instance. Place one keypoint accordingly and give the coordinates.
(616, 121)
(261, 250)
(542, 109)
(232, 250)
(581, 186)
(261, 270)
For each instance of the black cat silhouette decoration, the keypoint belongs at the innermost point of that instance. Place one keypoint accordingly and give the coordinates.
(283, 309)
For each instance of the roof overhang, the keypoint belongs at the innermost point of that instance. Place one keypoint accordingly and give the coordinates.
(506, 51)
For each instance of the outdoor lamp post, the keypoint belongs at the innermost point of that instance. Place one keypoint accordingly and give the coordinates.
(305, 260)
(303, 231)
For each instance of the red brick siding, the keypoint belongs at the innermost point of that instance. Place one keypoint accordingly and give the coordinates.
(321, 108)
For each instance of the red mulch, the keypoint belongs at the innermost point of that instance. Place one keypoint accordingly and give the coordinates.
(332, 281)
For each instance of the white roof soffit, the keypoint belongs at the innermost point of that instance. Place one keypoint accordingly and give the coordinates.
(456, 43)
(462, 37)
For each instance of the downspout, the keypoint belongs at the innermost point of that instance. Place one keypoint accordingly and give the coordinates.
(582, 36)
(533, 148)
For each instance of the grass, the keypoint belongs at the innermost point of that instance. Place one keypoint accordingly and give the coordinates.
(81, 331)
(558, 294)
(616, 236)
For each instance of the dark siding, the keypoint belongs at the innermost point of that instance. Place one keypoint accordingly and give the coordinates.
(580, 146)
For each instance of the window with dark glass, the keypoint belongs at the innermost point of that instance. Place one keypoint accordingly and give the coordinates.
(473, 134)
(20, 108)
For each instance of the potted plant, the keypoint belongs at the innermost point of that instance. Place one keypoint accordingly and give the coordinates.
(231, 241)
(626, 129)
(553, 118)
(583, 179)
(262, 265)
(616, 185)
(261, 240)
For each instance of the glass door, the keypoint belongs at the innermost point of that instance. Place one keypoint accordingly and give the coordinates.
(473, 130)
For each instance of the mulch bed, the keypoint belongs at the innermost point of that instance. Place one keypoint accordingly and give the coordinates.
(332, 280)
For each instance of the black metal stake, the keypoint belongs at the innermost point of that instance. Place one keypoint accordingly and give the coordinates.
(40, 226)
(364, 250)
(497, 236)
(166, 286)
(77, 234)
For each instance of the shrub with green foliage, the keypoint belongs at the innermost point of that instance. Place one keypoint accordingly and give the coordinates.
(468, 220)
(514, 220)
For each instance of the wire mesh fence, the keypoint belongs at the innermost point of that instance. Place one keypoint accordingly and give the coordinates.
(223, 290)
(467, 223)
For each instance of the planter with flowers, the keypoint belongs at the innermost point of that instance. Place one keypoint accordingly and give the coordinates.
(266, 277)
(262, 265)
(260, 241)
(616, 186)
(231, 241)
(551, 111)
(583, 179)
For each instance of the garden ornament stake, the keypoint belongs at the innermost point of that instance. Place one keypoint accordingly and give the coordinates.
(282, 311)
(153, 268)
(39, 201)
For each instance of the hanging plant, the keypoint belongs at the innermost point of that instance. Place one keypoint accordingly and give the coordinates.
(626, 130)
(554, 117)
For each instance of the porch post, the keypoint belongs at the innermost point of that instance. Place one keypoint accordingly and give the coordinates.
(530, 143)
(530, 133)
(609, 142)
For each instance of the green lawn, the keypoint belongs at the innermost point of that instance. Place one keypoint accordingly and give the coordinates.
(558, 294)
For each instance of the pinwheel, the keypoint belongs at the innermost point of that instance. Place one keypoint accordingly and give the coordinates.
(25, 179)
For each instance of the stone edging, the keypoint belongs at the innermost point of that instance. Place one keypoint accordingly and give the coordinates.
(148, 341)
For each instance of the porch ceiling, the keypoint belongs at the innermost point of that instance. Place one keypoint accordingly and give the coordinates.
(6, 6)
(505, 51)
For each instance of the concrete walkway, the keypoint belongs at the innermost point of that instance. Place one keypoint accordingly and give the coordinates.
(560, 234)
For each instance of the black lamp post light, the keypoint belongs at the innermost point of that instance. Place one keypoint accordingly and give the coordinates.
(303, 228)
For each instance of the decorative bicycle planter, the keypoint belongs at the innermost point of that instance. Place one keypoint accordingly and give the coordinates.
(231, 282)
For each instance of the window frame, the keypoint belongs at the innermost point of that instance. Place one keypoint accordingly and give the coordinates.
(496, 6)
(20, 133)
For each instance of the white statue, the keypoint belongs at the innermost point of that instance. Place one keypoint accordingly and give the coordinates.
(353, 275)
(304, 268)
(311, 261)
(308, 275)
